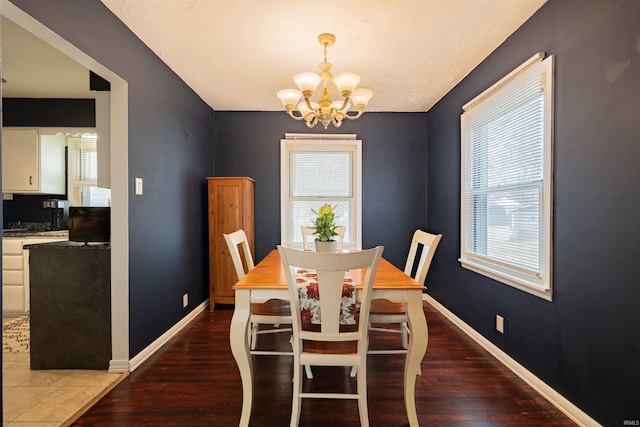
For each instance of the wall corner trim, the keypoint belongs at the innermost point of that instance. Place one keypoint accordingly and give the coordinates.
(118, 366)
(555, 398)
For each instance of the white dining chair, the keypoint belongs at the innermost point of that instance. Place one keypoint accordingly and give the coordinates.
(385, 311)
(272, 312)
(308, 232)
(330, 343)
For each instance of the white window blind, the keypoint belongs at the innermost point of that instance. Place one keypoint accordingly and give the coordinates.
(506, 179)
(83, 172)
(315, 172)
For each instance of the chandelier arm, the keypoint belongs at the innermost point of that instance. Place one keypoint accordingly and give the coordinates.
(337, 119)
(294, 117)
(360, 111)
(307, 100)
(344, 104)
(312, 122)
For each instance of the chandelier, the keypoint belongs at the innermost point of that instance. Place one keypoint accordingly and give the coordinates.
(325, 110)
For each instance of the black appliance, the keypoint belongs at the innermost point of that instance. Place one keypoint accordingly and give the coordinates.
(59, 213)
(89, 224)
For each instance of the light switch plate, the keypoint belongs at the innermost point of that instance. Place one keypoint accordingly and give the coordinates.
(138, 186)
(500, 323)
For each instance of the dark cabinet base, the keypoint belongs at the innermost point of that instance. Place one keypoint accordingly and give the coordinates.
(70, 306)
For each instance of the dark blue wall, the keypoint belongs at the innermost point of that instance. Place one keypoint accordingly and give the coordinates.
(586, 343)
(170, 147)
(394, 175)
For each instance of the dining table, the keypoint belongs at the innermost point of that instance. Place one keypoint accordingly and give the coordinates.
(268, 281)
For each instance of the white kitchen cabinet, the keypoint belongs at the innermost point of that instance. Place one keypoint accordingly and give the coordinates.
(15, 271)
(32, 164)
(13, 293)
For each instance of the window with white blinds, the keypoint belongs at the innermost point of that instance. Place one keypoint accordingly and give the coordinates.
(506, 179)
(83, 172)
(317, 171)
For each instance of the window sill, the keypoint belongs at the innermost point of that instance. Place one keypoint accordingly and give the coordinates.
(512, 281)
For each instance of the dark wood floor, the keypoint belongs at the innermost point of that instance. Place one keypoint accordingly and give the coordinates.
(194, 381)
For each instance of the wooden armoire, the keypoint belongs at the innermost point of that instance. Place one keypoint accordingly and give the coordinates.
(230, 208)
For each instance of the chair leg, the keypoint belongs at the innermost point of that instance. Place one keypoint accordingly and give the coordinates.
(254, 335)
(405, 335)
(307, 370)
(362, 400)
(297, 389)
(248, 337)
(354, 371)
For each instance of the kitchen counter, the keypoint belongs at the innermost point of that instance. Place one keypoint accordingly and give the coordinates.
(19, 232)
(70, 305)
(69, 245)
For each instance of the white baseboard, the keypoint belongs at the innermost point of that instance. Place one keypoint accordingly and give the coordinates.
(139, 358)
(555, 398)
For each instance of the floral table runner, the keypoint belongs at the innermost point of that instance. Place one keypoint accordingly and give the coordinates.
(307, 281)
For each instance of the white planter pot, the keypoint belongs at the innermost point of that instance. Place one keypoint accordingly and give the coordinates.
(328, 246)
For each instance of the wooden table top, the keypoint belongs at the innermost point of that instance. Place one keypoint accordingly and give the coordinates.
(269, 274)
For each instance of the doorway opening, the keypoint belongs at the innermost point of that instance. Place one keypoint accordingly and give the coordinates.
(118, 130)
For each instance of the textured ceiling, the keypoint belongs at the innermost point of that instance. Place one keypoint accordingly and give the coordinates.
(236, 54)
(33, 69)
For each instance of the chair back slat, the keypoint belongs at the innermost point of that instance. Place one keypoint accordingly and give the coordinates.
(429, 244)
(330, 285)
(233, 240)
(306, 232)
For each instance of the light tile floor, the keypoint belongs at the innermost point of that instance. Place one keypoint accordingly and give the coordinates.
(48, 398)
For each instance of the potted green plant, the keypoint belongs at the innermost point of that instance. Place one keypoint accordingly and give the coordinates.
(324, 227)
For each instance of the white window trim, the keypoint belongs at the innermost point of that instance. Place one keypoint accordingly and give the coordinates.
(543, 290)
(300, 139)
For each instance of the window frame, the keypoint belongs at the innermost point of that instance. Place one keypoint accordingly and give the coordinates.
(318, 142)
(494, 269)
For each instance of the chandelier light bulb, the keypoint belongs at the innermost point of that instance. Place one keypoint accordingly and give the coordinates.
(307, 81)
(361, 97)
(289, 96)
(346, 81)
(304, 110)
(338, 106)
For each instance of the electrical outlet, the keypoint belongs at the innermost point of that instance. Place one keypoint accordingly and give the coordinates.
(500, 323)
(185, 300)
(138, 186)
